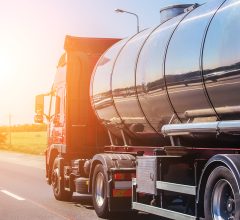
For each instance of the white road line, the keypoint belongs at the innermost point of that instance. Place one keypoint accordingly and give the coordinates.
(12, 195)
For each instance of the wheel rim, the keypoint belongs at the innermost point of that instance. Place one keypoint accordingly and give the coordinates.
(223, 203)
(55, 174)
(100, 191)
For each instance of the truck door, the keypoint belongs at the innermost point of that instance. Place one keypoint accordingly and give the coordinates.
(56, 131)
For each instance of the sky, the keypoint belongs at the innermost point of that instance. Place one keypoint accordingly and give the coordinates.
(32, 34)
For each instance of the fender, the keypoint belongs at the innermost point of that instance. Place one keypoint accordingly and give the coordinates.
(231, 161)
(53, 151)
(110, 161)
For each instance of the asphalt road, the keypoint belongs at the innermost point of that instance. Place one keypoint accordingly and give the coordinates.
(25, 195)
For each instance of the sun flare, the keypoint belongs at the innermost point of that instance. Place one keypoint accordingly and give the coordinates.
(5, 66)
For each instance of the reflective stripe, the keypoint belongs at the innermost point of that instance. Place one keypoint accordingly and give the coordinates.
(122, 192)
(123, 184)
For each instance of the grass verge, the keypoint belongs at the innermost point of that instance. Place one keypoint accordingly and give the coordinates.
(26, 142)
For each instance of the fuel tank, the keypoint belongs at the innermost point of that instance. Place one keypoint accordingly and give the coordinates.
(186, 69)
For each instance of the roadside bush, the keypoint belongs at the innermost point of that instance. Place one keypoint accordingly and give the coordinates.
(3, 138)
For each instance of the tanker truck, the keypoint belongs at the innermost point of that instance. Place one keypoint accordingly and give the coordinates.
(151, 123)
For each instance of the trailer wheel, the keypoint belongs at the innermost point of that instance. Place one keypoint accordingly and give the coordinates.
(99, 190)
(58, 184)
(220, 198)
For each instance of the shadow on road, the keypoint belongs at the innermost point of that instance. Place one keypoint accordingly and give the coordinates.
(86, 202)
(83, 201)
(135, 216)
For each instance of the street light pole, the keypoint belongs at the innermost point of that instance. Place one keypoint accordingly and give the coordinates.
(131, 13)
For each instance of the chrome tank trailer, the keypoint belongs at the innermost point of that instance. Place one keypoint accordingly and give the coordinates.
(186, 70)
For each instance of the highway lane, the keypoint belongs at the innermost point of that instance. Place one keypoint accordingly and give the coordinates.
(23, 176)
(25, 195)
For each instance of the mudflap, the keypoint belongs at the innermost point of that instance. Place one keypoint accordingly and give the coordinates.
(119, 204)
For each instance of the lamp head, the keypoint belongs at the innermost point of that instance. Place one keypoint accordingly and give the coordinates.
(119, 10)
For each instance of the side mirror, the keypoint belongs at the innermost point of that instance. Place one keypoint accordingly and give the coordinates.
(38, 119)
(39, 109)
(39, 104)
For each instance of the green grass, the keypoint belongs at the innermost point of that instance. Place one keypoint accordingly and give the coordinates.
(26, 142)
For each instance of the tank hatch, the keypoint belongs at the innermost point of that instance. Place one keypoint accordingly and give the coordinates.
(175, 10)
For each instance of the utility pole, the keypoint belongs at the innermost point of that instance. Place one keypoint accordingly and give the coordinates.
(10, 129)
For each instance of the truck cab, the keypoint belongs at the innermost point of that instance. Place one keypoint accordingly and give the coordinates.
(74, 133)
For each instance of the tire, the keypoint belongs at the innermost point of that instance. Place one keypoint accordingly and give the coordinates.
(58, 184)
(221, 200)
(99, 192)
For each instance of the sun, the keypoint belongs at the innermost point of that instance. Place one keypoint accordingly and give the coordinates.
(5, 58)
(5, 66)
(8, 62)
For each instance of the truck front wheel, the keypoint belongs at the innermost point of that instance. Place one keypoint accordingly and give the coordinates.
(221, 198)
(99, 190)
(58, 184)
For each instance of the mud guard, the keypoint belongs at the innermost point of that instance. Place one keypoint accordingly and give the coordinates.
(117, 162)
